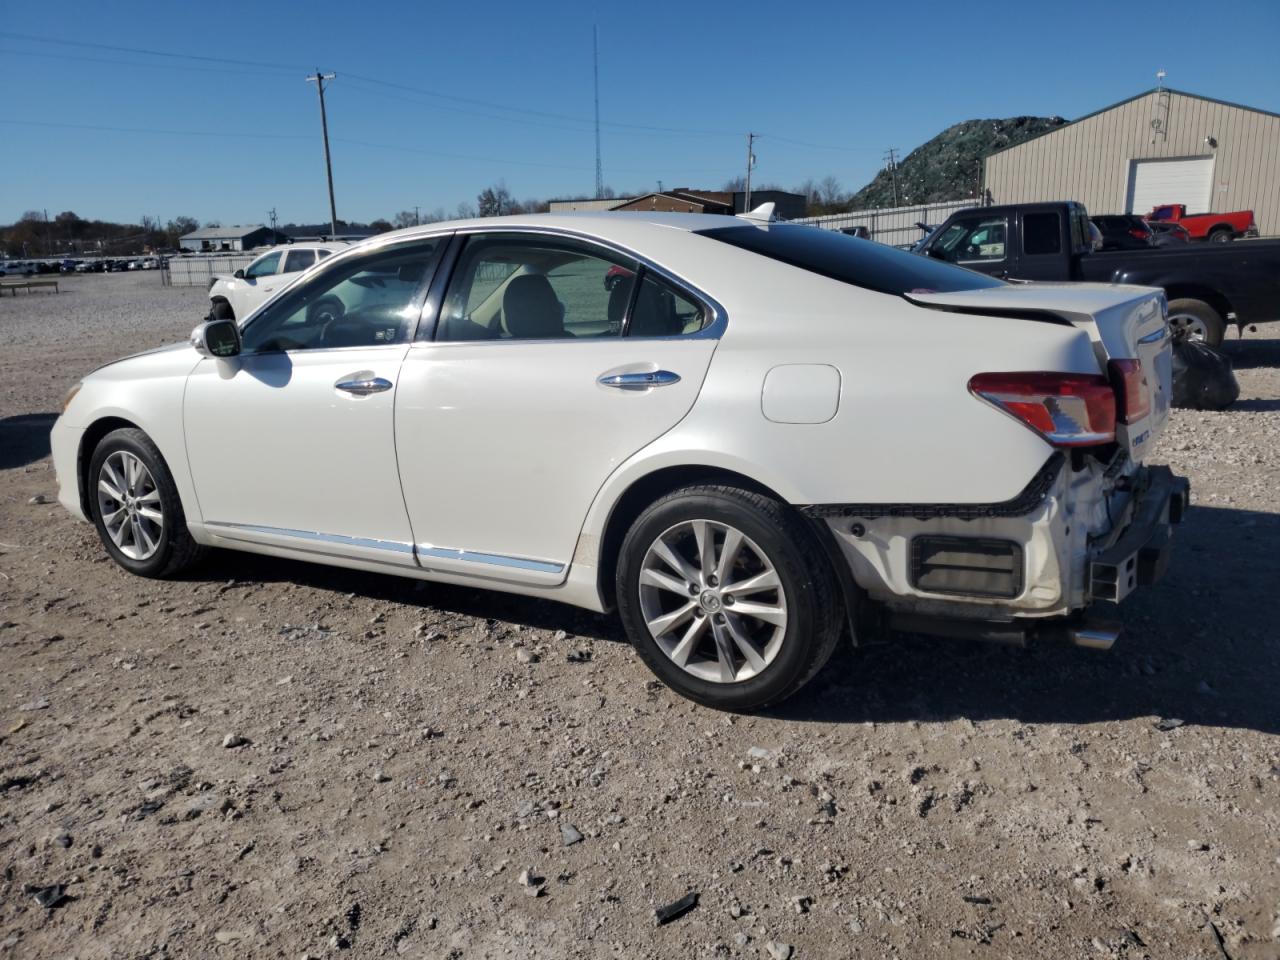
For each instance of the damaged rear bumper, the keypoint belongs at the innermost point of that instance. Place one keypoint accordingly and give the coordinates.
(1082, 536)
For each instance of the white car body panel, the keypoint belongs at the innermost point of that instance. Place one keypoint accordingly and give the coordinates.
(278, 454)
(512, 450)
(522, 434)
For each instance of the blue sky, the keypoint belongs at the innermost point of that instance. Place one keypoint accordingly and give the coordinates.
(435, 101)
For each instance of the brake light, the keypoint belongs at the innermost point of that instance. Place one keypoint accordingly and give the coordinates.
(1132, 399)
(1066, 409)
(1139, 234)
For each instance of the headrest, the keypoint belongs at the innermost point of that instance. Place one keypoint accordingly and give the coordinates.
(531, 309)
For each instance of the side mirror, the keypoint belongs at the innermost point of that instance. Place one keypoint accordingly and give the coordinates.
(218, 339)
(239, 274)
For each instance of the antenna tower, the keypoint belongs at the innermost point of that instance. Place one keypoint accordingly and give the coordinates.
(595, 73)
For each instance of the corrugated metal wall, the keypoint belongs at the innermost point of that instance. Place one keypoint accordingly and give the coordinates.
(1089, 160)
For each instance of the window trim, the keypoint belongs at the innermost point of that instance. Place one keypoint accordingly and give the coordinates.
(713, 330)
(421, 296)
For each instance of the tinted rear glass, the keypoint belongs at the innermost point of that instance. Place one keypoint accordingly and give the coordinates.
(862, 263)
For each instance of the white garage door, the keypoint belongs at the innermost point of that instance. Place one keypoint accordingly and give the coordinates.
(1156, 182)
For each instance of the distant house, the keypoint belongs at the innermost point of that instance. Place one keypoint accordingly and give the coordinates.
(788, 206)
(219, 239)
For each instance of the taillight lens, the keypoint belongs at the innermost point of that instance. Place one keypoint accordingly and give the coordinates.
(1067, 409)
(1139, 234)
(1132, 398)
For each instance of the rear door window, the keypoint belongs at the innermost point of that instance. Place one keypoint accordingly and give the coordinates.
(1041, 234)
(299, 260)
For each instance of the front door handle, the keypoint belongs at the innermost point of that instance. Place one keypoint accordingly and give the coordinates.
(639, 381)
(363, 387)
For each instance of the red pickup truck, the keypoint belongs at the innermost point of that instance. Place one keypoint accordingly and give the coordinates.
(1216, 227)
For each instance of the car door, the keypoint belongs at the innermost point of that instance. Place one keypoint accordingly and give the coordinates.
(260, 281)
(292, 443)
(538, 380)
(976, 241)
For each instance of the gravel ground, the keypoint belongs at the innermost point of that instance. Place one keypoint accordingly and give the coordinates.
(272, 759)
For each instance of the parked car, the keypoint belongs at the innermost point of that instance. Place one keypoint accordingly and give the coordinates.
(1215, 227)
(1206, 286)
(16, 268)
(235, 297)
(761, 455)
(1123, 232)
(1166, 234)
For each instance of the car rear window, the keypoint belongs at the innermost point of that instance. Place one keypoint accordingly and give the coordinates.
(862, 263)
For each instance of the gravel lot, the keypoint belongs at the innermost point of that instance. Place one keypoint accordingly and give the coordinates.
(427, 771)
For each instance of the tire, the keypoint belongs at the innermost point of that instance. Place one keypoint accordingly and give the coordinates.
(774, 542)
(222, 311)
(1199, 321)
(1221, 235)
(159, 549)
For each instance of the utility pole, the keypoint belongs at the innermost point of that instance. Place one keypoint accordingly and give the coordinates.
(48, 234)
(891, 156)
(416, 219)
(319, 80)
(751, 162)
(595, 75)
(273, 224)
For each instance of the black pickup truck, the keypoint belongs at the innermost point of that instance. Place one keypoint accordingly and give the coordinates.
(1208, 285)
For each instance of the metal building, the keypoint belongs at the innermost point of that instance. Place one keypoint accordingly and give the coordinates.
(1162, 146)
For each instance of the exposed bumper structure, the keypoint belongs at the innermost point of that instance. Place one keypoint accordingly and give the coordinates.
(1081, 537)
(1141, 554)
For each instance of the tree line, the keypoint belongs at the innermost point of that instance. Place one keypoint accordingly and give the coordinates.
(68, 234)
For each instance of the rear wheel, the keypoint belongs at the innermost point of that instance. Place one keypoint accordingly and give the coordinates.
(135, 506)
(1196, 320)
(1221, 235)
(727, 597)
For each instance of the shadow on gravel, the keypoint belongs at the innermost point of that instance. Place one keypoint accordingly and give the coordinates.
(1201, 647)
(1256, 406)
(1252, 351)
(481, 604)
(24, 439)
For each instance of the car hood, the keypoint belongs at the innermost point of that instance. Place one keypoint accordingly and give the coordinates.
(168, 348)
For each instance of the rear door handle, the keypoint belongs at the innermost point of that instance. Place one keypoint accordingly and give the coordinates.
(363, 387)
(639, 381)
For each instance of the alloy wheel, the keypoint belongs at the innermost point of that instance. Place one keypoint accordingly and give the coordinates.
(1189, 326)
(713, 601)
(129, 504)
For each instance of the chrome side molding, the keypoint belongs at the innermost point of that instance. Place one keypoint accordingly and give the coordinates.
(496, 559)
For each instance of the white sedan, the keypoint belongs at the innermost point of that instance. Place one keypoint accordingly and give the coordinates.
(748, 437)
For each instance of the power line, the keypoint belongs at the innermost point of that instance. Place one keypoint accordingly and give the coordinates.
(153, 130)
(149, 53)
(595, 73)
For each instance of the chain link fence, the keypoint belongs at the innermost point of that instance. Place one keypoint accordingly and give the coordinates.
(200, 270)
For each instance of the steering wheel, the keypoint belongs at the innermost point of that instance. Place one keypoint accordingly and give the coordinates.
(325, 310)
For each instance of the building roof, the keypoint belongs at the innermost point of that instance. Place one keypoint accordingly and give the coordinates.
(223, 233)
(1121, 103)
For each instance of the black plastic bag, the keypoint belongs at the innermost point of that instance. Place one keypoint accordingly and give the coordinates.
(1202, 377)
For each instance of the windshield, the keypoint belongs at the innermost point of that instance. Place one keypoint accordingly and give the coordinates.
(862, 263)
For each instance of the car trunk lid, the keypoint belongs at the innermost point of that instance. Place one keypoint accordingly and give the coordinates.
(1124, 323)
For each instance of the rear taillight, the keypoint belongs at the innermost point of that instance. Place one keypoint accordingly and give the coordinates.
(1133, 402)
(1067, 409)
(1139, 234)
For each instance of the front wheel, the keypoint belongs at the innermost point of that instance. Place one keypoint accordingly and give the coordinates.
(727, 597)
(135, 506)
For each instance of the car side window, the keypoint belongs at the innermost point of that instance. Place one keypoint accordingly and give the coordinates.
(1041, 234)
(264, 266)
(298, 260)
(661, 310)
(321, 254)
(529, 287)
(972, 239)
(363, 301)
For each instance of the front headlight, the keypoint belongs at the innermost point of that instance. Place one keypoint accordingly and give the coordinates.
(71, 395)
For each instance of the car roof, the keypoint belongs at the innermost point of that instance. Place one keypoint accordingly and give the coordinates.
(605, 223)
